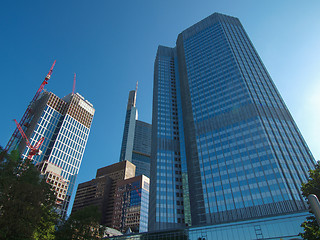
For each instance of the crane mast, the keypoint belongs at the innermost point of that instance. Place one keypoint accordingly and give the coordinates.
(26, 116)
(34, 150)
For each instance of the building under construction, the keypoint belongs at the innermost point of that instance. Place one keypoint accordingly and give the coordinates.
(59, 128)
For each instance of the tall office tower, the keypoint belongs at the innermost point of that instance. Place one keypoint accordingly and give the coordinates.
(141, 152)
(131, 205)
(167, 185)
(65, 125)
(136, 141)
(101, 191)
(218, 117)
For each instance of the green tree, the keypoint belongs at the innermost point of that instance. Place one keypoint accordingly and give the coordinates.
(47, 226)
(26, 200)
(311, 227)
(82, 224)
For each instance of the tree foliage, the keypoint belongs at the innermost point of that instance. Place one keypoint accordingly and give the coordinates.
(311, 227)
(26, 200)
(82, 224)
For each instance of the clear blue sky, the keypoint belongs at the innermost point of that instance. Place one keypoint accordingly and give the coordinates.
(112, 44)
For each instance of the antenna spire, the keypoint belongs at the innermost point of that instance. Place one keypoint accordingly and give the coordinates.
(135, 95)
(74, 83)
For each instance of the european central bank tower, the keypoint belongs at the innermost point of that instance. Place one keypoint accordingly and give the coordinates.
(224, 146)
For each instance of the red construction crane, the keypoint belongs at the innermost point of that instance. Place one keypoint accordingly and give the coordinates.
(135, 188)
(25, 117)
(34, 150)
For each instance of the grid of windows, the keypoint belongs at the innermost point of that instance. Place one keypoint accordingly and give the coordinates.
(240, 151)
(167, 205)
(251, 155)
(65, 137)
(131, 205)
(142, 148)
(46, 126)
(274, 228)
(69, 147)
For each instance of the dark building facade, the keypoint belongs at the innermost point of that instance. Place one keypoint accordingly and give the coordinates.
(221, 130)
(101, 191)
(95, 192)
(136, 141)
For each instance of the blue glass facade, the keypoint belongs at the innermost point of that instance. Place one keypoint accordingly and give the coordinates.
(142, 148)
(167, 191)
(286, 227)
(245, 157)
(65, 125)
(280, 227)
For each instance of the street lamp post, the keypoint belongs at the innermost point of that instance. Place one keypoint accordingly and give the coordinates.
(315, 206)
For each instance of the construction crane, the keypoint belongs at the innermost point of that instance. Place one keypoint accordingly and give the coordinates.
(34, 150)
(26, 116)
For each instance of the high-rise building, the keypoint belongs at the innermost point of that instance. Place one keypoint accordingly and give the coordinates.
(141, 152)
(101, 191)
(224, 145)
(131, 205)
(136, 141)
(129, 128)
(65, 125)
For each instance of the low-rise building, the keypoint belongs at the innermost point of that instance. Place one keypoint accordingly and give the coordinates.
(101, 190)
(131, 205)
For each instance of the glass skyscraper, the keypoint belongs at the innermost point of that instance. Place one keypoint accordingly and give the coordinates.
(65, 125)
(136, 141)
(224, 145)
